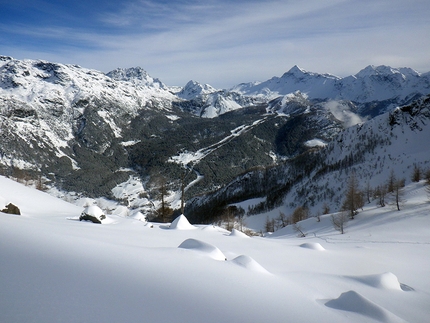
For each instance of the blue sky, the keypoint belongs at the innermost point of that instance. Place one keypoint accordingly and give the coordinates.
(222, 42)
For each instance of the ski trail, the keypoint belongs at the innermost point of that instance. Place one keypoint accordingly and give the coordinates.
(194, 182)
(187, 158)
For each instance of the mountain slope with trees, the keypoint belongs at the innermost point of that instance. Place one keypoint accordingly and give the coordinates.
(83, 133)
(389, 146)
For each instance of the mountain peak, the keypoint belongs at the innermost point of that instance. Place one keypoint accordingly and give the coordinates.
(135, 75)
(296, 71)
(126, 74)
(194, 89)
(372, 70)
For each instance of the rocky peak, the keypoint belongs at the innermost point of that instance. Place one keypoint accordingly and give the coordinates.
(295, 71)
(193, 90)
(136, 76)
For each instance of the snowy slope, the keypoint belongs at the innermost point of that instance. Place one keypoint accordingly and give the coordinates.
(57, 269)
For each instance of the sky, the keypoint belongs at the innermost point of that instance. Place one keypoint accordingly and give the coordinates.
(221, 43)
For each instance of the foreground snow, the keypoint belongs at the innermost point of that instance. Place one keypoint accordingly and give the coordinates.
(57, 269)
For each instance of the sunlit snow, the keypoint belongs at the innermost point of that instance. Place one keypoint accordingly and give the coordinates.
(55, 268)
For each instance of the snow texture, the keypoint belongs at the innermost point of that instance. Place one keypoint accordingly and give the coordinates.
(57, 270)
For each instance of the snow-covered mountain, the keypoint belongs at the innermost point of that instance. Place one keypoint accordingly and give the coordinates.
(372, 84)
(395, 141)
(137, 76)
(53, 102)
(53, 117)
(205, 101)
(89, 132)
(31, 81)
(373, 90)
(193, 90)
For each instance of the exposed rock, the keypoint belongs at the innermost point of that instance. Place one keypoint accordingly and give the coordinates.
(92, 213)
(11, 209)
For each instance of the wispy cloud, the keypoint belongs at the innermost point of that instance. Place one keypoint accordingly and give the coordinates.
(225, 42)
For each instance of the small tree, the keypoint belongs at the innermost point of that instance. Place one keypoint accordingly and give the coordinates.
(232, 217)
(368, 191)
(269, 225)
(339, 221)
(427, 176)
(241, 218)
(300, 213)
(164, 212)
(183, 193)
(397, 193)
(281, 221)
(353, 197)
(299, 230)
(326, 208)
(416, 173)
(391, 182)
(39, 184)
(427, 183)
(379, 193)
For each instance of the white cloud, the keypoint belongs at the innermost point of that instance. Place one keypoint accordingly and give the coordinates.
(343, 113)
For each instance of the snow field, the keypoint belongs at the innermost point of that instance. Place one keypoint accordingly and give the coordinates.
(54, 269)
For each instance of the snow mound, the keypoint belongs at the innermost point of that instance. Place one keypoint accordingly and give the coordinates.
(213, 228)
(204, 248)
(138, 216)
(249, 263)
(352, 301)
(312, 245)
(383, 281)
(181, 223)
(237, 233)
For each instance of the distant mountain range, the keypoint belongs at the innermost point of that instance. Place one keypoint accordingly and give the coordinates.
(87, 132)
(373, 83)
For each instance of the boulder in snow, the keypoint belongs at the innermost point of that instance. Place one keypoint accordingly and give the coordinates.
(92, 213)
(11, 209)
